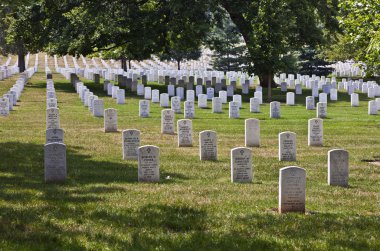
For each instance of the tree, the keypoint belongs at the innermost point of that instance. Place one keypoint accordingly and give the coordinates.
(131, 29)
(273, 28)
(228, 46)
(312, 62)
(360, 22)
(21, 29)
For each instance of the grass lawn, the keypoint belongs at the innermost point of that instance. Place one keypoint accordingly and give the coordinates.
(195, 206)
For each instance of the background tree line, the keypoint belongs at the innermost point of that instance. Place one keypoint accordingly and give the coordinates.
(263, 37)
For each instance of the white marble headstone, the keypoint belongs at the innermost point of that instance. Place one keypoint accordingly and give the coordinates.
(337, 168)
(110, 120)
(315, 132)
(55, 168)
(208, 148)
(52, 118)
(241, 165)
(275, 109)
(287, 146)
(185, 132)
(131, 143)
(144, 108)
(292, 190)
(252, 133)
(167, 121)
(148, 164)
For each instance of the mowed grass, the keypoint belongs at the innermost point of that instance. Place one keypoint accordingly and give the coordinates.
(195, 206)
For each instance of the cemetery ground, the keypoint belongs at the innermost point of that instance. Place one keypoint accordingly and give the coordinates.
(195, 206)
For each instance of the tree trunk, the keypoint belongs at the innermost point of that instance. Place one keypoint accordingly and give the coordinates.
(267, 81)
(179, 64)
(21, 62)
(129, 64)
(123, 63)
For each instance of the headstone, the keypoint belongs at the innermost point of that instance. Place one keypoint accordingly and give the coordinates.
(189, 110)
(55, 168)
(230, 91)
(337, 168)
(218, 87)
(185, 132)
(245, 88)
(241, 165)
(254, 105)
(321, 110)
(223, 96)
(315, 132)
(180, 92)
(54, 136)
(290, 98)
(98, 109)
(4, 106)
(51, 103)
(210, 93)
(110, 120)
(217, 105)
(120, 96)
(190, 95)
(298, 89)
(234, 112)
(333, 94)
(202, 101)
(171, 90)
(109, 89)
(199, 81)
(287, 146)
(114, 91)
(354, 99)
(322, 98)
(198, 90)
(164, 100)
(52, 118)
(155, 96)
(372, 107)
(208, 148)
(252, 133)
(167, 121)
(310, 105)
(275, 110)
(259, 95)
(292, 190)
(148, 164)
(144, 108)
(283, 86)
(147, 92)
(131, 143)
(237, 98)
(140, 90)
(176, 104)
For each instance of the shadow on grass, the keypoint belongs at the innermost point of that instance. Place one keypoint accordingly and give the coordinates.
(71, 216)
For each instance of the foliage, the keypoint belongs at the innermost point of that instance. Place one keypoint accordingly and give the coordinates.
(360, 21)
(229, 49)
(312, 62)
(21, 29)
(273, 28)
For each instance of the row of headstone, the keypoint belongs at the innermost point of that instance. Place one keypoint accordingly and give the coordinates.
(89, 100)
(8, 71)
(287, 140)
(55, 169)
(9, 100)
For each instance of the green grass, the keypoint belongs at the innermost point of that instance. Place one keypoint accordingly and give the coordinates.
(195, 206)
